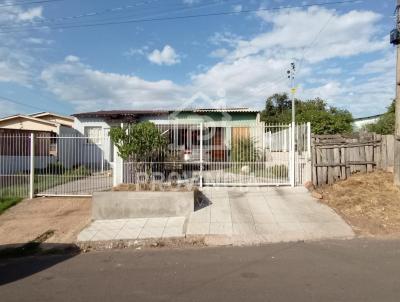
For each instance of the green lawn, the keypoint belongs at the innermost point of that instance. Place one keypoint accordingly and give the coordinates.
(41, 183)
(8, 202)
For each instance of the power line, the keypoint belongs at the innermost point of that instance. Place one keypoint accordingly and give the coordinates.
(21, 104)
(30, 2)
(186, 17)
(112, 10)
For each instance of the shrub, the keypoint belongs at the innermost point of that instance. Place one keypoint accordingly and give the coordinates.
(244, 150)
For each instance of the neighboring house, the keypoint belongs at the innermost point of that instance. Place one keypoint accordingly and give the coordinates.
(182, 126)
(15, 145)
(40, 123)
(361, 122)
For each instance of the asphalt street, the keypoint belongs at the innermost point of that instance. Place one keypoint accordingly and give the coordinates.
(351, 270)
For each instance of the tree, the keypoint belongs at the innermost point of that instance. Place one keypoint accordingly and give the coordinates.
(324, 119)
(138, 142)
(386, 123)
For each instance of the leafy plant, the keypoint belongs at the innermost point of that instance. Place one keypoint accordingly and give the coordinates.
(140, 143)
(324, 119)
(137, 141)
(386, 123)
(244, 150)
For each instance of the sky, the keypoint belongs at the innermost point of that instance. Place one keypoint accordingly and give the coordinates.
(69, 56)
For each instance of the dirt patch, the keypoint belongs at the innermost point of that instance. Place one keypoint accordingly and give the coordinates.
(30, 218)
(370, 203)
(171, 243)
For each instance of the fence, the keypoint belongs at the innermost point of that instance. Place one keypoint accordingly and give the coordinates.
(205, 154)
(230, 155)
(336, 157)
(46, 165)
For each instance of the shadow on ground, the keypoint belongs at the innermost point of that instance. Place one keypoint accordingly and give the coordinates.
(201, 201)
(17, 261)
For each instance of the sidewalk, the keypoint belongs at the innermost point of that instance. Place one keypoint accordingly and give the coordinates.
(252, 217)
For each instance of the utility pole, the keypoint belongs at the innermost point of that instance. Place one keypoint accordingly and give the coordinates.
(395, 39)
(291, 75)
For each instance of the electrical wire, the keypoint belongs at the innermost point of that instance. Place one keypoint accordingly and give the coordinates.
(21, 103)
(215, 14)
(30, 2)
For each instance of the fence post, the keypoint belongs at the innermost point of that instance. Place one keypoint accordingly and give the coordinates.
(292, 156)
(309, 140)
(201, 155)
(32, 167)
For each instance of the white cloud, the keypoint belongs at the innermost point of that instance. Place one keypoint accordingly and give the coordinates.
(251, 69)
(237, 8)
(190, 2)
(17, 61)
(384, 64)
(136, 51)
(71, 59)
(88, 88)
(255, 68)
(31, 14)
(166, 56)
(219, 53)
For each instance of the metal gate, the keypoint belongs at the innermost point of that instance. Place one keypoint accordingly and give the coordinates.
(212, 154)
(202, 154)
(42, 164)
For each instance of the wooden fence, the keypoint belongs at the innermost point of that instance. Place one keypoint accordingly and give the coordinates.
(336, 157)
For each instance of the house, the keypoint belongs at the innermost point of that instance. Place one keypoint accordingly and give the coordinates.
(181, 126)
(44, 123)
(359, 123)
(15, 143)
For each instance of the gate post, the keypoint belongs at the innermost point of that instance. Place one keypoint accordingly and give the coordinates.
(201, 155)
(32, 166)
(293, 156)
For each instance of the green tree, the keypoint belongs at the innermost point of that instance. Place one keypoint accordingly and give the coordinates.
(324, 119)
(140, 142)
(386, 123)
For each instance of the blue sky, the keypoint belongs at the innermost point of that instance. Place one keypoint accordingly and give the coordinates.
(342, 53)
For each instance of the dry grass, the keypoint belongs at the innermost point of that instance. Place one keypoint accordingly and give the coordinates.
(369, 202)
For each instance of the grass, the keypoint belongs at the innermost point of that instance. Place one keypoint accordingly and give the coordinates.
(259, 170)
(41, 183)
(8, 202)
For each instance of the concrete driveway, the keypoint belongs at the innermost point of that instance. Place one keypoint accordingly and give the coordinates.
(256, 215)
(235, 216)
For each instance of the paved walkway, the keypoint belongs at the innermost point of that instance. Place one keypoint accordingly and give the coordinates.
(139, 228)
(242, 217)
(84, 186)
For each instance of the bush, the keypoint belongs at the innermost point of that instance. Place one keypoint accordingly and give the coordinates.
(277, 171)
(386, 123)
(79, 171)
(244, 150)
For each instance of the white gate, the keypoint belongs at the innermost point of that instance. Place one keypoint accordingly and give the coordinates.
(211, 154)
(47, 165)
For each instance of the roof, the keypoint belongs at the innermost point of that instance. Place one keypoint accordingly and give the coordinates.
(367, 117)
(120, 113)
(136, 113)
(28, 118)
(41, 114)
(239, 109)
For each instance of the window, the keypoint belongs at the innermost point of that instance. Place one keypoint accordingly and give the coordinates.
(93, 134)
